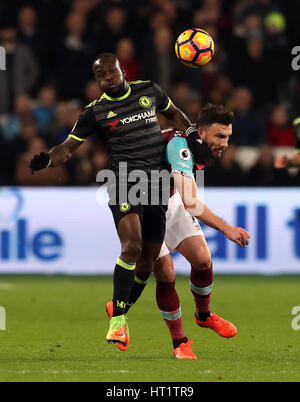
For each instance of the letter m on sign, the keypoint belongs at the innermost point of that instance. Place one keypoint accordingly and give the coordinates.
(2, 58)
(2, 319)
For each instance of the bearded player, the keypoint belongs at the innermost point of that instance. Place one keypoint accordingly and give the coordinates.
(183, 232)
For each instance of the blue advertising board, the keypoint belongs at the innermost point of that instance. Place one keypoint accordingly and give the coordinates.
(68, 230)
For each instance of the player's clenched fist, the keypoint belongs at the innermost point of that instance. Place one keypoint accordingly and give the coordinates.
(39, 162)
(238, 235)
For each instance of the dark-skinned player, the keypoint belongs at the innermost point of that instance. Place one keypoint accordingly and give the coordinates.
(125, 119)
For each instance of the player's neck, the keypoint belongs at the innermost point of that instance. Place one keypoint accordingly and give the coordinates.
(121, 92)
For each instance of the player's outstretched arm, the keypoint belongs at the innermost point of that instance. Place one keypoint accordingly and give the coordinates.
(177, 118)
(57, 156)
(187, 188)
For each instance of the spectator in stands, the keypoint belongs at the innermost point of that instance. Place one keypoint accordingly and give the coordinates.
(74, 57)
(278, 51)
(250, 125)
(91, 92)
(181, 95)
(48, 177)
(99, 160)
(168, 7)
(21, 71)
(222, 92)
(217, 66)
(115, 28)
(281, 132)
(84, 7)
(192, 108)
(165, 68)
(45, 109)
(261, 7)
(64, 119)
(226, 172)
(80, 167)
(264, 174)
(209, 13)
(252, 70)
(28, 32)
(19, 145)
(251, 25)
(125, 51)
(22, 111)
(157, 20)
(3, 158)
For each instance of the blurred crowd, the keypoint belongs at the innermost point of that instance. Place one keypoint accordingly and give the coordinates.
(51, 44)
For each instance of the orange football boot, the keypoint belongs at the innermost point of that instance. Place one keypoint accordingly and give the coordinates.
(184, 351)
(219, 325)
(110, 311)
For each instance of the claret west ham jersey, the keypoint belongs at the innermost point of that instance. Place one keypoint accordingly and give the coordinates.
(128, 126)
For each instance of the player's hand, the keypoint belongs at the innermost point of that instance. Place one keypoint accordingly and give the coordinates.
(280, 162)
(39, 162)
(239, 236)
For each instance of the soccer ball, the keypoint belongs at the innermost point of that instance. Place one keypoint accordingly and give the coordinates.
(194, 47)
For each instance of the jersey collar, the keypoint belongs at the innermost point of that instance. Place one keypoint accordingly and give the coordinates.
(119, 98)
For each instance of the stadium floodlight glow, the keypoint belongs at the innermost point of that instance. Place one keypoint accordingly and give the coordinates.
(2, 58)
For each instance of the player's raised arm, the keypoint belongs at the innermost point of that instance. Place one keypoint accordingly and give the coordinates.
(165, 106)
(61, 153)
(187, 189)
(57, 156)
(176, 117)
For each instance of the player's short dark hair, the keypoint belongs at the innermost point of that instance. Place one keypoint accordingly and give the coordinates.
(106, 54)
(212, 113)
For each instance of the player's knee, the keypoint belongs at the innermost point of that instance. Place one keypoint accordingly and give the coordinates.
(165, 276)
(164, 270)
(131, 250)
(203, 262)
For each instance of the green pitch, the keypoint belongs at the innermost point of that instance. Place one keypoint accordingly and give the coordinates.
(56, 327)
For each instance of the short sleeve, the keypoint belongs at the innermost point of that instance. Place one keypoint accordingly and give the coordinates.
(84, 126)
(179, 156)
(163, 102)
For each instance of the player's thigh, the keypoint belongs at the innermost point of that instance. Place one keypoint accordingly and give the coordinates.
(196, 251)
(164, 269)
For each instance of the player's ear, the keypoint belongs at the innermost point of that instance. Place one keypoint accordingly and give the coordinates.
(123, 72)
(201, 133)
